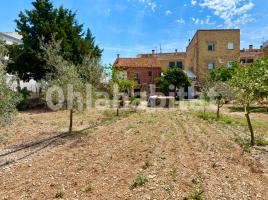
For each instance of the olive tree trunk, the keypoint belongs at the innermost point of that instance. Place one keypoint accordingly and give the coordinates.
(71, 121)
(218, 110)
(252, 136)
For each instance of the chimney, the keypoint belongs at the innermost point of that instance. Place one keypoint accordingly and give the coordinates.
(118, 55)
(251, 47)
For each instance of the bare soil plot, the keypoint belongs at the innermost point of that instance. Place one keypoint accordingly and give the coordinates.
(174, 152)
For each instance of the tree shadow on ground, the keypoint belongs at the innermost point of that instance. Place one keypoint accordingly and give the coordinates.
(58, 138)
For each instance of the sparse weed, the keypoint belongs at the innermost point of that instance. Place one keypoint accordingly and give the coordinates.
(87, 189)
(59, 194)
(8, 162)
(195, 195)
(139, 181)
(146, 165)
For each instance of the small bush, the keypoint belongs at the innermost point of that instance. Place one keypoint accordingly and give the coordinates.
(134, 101)
(139, 181)
(59, 194)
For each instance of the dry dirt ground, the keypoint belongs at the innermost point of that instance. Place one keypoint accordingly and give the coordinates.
(177, 154)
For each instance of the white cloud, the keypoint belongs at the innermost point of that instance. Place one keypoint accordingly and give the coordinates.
(149, 4)
(193, 2)
(180, 21)
(205, 21)
(168, 12)
(233, 12)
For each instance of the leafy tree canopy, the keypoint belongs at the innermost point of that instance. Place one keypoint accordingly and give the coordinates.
(223, 73)
(173, 76)
(42, 23)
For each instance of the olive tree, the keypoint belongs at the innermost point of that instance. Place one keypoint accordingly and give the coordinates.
(221, 90)
(250, 84)
(8, 98)
(65, 79)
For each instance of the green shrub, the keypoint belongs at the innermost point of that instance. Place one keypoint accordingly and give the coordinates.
(134, 101)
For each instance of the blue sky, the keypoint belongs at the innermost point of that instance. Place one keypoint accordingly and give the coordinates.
(129, 27)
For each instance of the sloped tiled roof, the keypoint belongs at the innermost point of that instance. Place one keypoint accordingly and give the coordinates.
(253, 54)
(136, 63)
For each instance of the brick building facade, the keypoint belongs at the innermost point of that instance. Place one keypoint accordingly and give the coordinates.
(143, 70)
(207, 50)
(212, 48)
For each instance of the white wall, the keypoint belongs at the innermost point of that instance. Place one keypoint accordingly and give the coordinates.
(32, 85)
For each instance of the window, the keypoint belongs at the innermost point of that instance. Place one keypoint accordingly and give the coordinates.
(171, 64)
(211, 46)
(242, 60)
(136, 77)
(230, 45)
(250, 60)
(211, 65)
(149, 73)
(179, 64)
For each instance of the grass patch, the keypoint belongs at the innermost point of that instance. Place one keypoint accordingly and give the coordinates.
(195, 195)
(59, 194)
(232, 120)
(131, 126)
(253, 109)
(139, 181)
(261, 140)
(260, 128)
(244, 144)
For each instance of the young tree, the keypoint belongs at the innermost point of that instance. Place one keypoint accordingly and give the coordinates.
(221, 92)
(205, 82)
(8, 98)
(173, 76)
(90, 71)
(66, 77)
(220, 89)
(42, 23)
(250, 84)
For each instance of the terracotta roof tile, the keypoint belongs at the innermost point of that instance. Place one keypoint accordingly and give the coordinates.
(136, 62)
